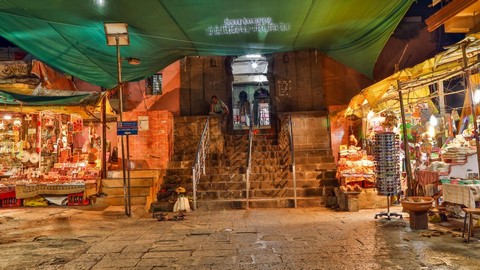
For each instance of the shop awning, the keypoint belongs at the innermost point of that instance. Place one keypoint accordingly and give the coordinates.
(69, 35)
(414, 81)
(85, 105)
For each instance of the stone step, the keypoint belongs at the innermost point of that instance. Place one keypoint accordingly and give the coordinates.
(212, 186)
(134, 191)
(256, 161)
(225, 170)
(180, 164)
(170, 182)
(310, 146)
(271, 169)
(284, 183)
(119, 200)
(134, 182)
(134, 173)
(213, 178)
(183, 156)
(257, 185)
(313, 152)
(239, 193)
(235, 138)
(254, 169)
(233, 155)
(175, 178)
(220, 194)
(315, 167)
(213, 205)
(316, 174)
(270, 176)
(270, 161)
(314, 159)
(244, 149)
(178, 171)
(285, 192)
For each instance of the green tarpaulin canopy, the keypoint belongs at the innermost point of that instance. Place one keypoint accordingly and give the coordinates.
(69, 34)
(74, 100)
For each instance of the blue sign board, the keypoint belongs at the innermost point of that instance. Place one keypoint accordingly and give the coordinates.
(127, 128)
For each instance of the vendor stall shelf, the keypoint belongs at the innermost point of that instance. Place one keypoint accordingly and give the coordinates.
(387, 167)
(355, 168)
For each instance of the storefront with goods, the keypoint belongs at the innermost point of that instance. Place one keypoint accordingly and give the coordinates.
(50, 147)
(435, 132)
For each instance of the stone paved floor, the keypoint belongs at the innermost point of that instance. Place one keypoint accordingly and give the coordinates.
(308, 238)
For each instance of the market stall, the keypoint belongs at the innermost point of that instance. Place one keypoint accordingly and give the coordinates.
(49, 151)
(439, 144)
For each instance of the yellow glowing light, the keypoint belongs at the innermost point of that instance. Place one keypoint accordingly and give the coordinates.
(431, 131)
(433, 120)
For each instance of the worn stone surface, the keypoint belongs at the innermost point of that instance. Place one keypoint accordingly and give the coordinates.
(311, 238)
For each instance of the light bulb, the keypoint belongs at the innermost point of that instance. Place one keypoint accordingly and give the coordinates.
(431, 131)
(7, 117)
(433, 120)
(476, 96)
(370, 115)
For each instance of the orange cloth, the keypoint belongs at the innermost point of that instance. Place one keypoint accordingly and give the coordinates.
(50, 78)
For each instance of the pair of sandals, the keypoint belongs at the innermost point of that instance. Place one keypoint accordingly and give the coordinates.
(168, 217)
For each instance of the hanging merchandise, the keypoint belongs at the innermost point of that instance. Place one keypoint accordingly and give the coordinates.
(455, 116)
(77, 123)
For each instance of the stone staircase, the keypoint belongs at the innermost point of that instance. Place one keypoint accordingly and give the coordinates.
(271, 181)
(313, 156)
(143, 186)
(187, 133)
(316, 167)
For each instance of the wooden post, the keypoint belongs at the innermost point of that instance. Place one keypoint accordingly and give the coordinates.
(441, 103)
(408, 166)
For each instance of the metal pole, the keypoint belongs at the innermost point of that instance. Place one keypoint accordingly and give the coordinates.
(120, 94)
(194, 187)
(472, 103)
(292, 152)
(408, 166)
(128, 178)
(104, 137)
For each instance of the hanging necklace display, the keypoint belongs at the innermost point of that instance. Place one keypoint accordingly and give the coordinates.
(387, 167)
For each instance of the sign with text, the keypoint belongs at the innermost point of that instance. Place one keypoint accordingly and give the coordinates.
(127, 128)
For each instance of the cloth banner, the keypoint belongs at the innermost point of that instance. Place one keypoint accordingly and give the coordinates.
(28, 191)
